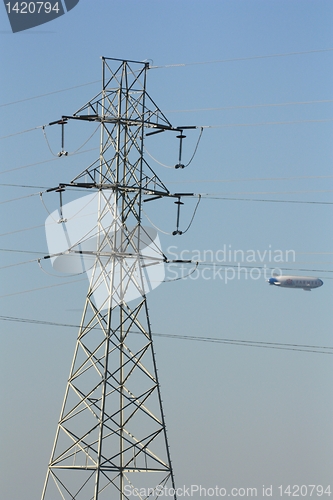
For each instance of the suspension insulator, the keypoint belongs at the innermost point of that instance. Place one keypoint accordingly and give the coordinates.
(181, 136)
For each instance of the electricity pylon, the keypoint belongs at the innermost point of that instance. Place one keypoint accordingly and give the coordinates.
(111, 436)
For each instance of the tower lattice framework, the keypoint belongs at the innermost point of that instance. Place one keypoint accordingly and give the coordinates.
(111, 436)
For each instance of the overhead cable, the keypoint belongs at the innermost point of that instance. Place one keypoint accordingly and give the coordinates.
(49, 93)
(224, 125)
(247, 179)
(200, 181)
(157, 228)
(24, 186)
(308, 191)
(44, 161)
(178, 165)
(73, 152)
(21, 132)
(287, 54)
(319, 349)
(209, 197)
(218, 264)
(11, 250)
(39, 288)
(196, 148)
(235, 59)
(183, 277)
(260, 124)
(68, 275)
(15, 265)
(22, 230)
(19, 198)
(202, 195)
(250, 106)
(187, 261)
(15, 250)
(195, 210)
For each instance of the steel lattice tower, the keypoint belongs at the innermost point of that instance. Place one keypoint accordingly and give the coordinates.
(111, 434)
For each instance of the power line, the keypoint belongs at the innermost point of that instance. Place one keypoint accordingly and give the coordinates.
(11, 250)
(250, 106)
(308, 191)
(207, 196)
(213, 265)
(21, 132)
(24, 186)
(248, 179)
(201, 181)
(315, 253)
(204, 196)
(48, 93)
(241, 267)
(251, 343)
(15, 250)
(22, 230)
(68, 153)
(15, 265)
(225, 125)
(246, 343)
(19, 198)
(44, 133)
(45, 161)
(260, 124)
(200, 263)
(218, 264)
(171, 66)
(235, 59)
(39, 288)
(174, 66)
(29, 165)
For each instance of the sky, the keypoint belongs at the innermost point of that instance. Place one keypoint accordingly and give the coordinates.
(257, 76)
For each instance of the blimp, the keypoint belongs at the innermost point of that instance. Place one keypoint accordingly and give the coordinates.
(304, 282)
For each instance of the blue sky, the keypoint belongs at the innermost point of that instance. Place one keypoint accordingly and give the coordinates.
(237, 416)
